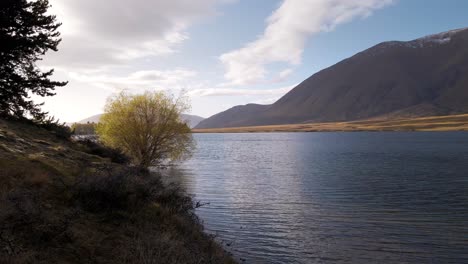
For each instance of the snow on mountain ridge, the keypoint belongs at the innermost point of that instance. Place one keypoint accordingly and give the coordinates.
(444, 36)
(434, 39)
(427, 41)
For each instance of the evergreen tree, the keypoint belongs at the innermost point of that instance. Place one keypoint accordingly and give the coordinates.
(26, 33)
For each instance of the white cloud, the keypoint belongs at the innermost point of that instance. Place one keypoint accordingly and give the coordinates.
(109, 32)
(139, 81)
(239, 92)
(286, 33)
(284, 74)
(108, 45)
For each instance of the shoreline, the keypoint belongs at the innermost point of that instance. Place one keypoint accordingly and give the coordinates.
(63, 201)
(427, 124)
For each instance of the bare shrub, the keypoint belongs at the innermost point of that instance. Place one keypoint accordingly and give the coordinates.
(95, 148)
(25, 223)
(110, 190)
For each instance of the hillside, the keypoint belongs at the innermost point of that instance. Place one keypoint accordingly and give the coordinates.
(192, 120)
(60, 202)
(424, 77)
(91, 119)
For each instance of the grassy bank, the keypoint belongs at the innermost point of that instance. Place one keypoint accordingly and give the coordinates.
(62, 203)
(436, 123)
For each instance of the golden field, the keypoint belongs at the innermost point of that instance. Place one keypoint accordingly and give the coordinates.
(433, 123)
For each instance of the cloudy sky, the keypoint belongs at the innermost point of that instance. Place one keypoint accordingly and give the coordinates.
(221, 52)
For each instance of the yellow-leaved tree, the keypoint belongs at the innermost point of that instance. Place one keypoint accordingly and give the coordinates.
(147, 127)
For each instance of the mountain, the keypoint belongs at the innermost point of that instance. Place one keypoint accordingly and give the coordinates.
(192, 120)
(91, 119)
(424, 77)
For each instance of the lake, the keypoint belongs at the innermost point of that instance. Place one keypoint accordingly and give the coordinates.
(387, 197)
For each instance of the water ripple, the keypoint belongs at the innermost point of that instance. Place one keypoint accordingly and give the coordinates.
(333, 197)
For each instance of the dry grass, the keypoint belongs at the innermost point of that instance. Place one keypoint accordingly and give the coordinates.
(435, 123)
(60, 204)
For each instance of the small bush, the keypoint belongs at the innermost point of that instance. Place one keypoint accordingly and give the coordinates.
(59, 129)
(51, 124)
(84, 129)
(173, 198)
(108, 190)
(61, 205)
(93, 147)
(26, 223)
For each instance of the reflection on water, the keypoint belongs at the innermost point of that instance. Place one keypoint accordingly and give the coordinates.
(334, 197)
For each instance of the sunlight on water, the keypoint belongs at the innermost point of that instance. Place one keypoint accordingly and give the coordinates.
(333, 197)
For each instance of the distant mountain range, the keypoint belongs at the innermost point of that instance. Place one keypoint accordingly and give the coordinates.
(192, 120)
(424, 77)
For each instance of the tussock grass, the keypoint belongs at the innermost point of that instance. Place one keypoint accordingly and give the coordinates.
(63, 203)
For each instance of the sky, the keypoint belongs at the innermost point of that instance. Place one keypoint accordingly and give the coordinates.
(220, 53)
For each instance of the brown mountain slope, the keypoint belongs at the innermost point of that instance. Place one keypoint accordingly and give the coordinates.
(423, 77)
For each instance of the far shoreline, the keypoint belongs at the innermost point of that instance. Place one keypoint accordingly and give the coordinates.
(423, 124)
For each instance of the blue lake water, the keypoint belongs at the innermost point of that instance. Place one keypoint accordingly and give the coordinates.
(333, 197)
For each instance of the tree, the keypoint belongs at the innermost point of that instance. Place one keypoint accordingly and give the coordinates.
(26, 33)
(147, 127)
(84, 129)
